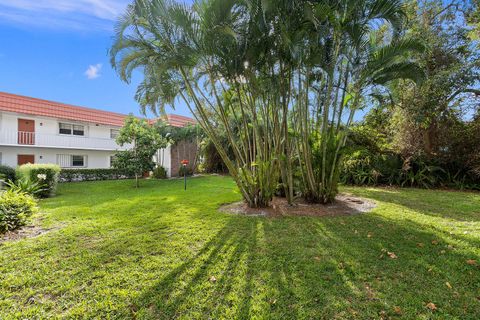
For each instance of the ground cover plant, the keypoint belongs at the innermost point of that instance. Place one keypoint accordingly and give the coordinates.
(159, 252)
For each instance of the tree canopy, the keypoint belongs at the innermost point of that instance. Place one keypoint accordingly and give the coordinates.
(143, 141)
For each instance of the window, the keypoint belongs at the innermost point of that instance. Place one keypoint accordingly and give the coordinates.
(114, 133)
(65, 128)
(76, 130)
(78, 161)
(69, 160)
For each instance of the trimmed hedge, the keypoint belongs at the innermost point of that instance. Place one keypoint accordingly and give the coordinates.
(7, 173)
(72, 175)
(15, 209)
(44, 174)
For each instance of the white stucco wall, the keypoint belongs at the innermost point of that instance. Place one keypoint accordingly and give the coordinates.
(48, 153)
(44, 125)
(163, 158)
(95, 159)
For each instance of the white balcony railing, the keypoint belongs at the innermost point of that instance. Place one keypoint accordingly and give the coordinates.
(22, 138)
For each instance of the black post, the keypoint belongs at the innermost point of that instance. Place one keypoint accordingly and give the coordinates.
(185, 177)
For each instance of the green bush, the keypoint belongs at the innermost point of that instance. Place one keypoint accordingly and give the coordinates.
(212, 161)
(187, 170)
(44, 174)
(70, 175)
(26, 186)
(362, 167)
(7, 173)
(159, 173)
(15, 209)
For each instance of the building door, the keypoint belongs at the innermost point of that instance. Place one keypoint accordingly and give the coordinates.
(26, 131)
(25, 158)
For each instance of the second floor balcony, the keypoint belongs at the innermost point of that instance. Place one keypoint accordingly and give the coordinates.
(23, 138)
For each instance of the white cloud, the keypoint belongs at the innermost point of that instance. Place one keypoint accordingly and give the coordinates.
(71, 14)
(93, 71)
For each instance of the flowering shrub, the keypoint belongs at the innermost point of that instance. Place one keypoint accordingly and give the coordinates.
(45, 175)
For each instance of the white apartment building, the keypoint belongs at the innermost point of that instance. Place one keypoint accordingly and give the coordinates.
(40, 131)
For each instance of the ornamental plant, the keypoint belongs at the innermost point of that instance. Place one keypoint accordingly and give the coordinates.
(144, 141)
(45, 175)
(15, 209)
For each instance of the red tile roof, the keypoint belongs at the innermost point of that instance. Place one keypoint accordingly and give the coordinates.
(179, 121)
(38, 107)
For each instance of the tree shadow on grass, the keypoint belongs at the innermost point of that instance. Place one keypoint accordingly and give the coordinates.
(455, 205)
(212, 265)
(311, 268)
(450, 214)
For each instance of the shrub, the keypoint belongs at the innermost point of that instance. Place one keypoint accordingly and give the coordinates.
(160, 173)
(26, 186)
(15, 209)
(212, 161)
(45, 174)
(70, 175)
(363, 167)
(187, 170)
(7, 173)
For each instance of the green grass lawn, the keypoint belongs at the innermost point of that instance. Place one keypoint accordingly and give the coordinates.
(160, 253)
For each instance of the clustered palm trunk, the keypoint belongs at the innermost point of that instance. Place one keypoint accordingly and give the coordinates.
(281, 78)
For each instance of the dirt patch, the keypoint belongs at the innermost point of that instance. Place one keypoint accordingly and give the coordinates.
(29, 231)
(345, 204)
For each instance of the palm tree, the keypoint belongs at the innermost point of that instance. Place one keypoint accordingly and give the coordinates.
(283, 78)
(197, 54)
(353, 46)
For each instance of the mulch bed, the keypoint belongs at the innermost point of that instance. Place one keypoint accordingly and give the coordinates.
(29, 231)
(344, 204)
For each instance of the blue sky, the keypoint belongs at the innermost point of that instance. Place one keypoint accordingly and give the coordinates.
(58, 50)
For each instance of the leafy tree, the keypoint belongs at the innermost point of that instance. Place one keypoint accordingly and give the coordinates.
(426, 135)
(450, 91)
(142, 141)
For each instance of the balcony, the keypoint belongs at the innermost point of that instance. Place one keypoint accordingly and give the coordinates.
(27, 139)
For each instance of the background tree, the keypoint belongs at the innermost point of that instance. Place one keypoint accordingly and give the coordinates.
(425, 135)
(435, 122)
(142, 141)
(450, 91)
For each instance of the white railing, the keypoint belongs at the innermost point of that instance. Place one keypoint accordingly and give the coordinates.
(22, 138)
